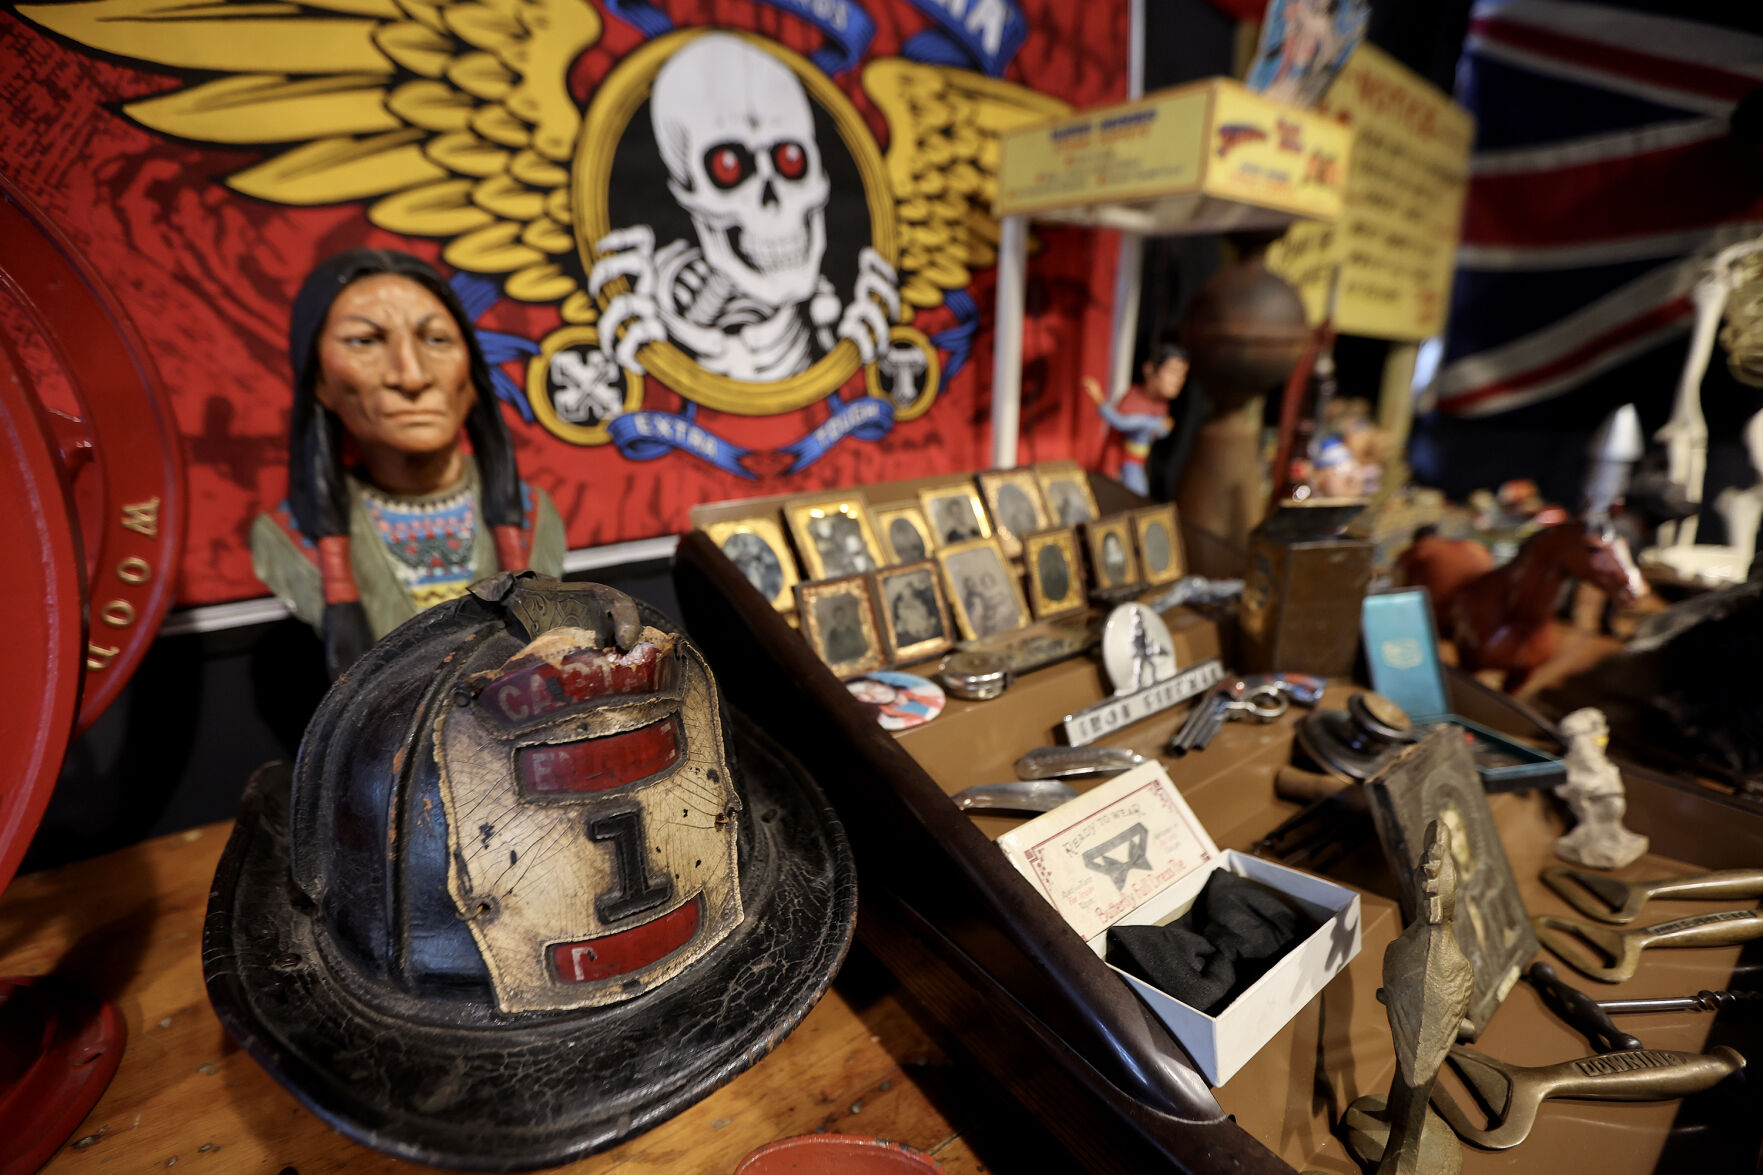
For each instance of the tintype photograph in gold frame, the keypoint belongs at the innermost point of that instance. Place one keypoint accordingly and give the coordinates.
(913, 611)
(1112, 561)
(1159, 541)
(904, 527)
(1054, 564)
(838, 620)
(1014, 500)
(757, 547)
(983, 591)
(1066, 489)
(833, 534)
(955, 512)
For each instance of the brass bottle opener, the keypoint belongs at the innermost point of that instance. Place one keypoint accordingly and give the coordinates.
(1614, 955)
(1513, 1094)
(1611, 900)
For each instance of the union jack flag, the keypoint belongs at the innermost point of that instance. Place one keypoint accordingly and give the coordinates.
(1603, 177)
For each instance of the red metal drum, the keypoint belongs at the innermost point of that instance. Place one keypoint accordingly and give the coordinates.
(113, 436)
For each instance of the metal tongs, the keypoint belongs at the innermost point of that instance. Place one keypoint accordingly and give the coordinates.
(1609, 899)
(1512, 1094)
(1614, 955)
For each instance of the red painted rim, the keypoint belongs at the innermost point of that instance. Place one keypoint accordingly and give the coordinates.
(139, 539)
(42, 592)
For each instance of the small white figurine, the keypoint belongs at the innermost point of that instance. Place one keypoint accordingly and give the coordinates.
(1594, 791)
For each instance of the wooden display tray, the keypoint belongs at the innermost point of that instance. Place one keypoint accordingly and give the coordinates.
(1024, 995)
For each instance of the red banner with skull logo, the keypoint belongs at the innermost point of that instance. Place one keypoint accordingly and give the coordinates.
(713, 248)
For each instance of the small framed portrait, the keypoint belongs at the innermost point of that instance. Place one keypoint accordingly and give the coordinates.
(1159, 540)
(914, 612)
(1066, 488)
(756, 546)
(954, 513)
(1055, 568)
(1014, 499)
(904, 533)
(983, 591)
(1111, 551)
(838, 618)
(833, 535)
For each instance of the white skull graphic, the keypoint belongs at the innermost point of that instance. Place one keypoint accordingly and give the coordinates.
(736, 133)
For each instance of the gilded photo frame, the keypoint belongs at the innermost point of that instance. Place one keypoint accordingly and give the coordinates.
(1013, 497)
(955, 512)
(763, 533)
(1161, 559)
(842, 634)
(889, 518)
(823, 542)
(966, 567)
(1047, 596)
(908, 598)
(1116, 564)
(1065, 488)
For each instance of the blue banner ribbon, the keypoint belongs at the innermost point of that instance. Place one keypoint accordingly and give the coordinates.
(983, 33)
(646, 435)
(866, 418)
(847, 26)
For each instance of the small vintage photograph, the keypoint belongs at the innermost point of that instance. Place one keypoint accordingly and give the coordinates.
(1066, 488)
(834, 535)
(955, 513)
(1111, 551)
(1014, 499)
(982, 588)
(914, 614)
(904, 533)
(757, 548)
(838, 618)
(1159, 539)
(1055, 568)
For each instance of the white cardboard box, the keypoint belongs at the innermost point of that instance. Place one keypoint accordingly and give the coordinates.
(1132, 853)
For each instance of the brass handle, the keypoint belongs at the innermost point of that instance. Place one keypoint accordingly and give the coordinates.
(1703, 930)
(1641, 1076)
(1727, 883)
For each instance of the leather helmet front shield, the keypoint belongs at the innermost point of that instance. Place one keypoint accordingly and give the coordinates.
(591, 816)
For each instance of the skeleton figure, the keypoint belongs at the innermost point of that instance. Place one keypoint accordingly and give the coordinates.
(747, 300)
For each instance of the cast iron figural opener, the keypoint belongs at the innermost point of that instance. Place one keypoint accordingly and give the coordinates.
(531, 888)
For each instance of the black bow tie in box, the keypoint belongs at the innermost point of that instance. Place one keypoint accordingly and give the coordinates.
(1235, 930)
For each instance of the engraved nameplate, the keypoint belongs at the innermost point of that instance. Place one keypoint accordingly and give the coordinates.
(1112, 714)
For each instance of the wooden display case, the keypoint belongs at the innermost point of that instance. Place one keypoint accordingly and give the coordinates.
(1030, 1002)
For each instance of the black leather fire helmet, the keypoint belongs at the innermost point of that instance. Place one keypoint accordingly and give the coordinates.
(532, 889)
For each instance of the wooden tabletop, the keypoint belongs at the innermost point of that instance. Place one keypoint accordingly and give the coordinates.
(128, 926)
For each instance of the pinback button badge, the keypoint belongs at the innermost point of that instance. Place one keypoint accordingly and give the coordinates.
(900, 701)
(1137, 650)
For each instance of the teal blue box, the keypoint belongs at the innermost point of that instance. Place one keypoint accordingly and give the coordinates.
(1402, 651)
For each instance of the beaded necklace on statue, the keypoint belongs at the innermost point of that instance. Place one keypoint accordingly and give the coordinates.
(429, 538)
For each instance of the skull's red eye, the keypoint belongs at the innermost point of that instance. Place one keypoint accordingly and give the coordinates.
(728, 164)
(789, 159)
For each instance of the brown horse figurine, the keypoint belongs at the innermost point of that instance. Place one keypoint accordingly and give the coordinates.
(1500, 617)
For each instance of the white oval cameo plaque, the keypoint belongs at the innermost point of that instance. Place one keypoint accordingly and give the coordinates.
(1137, 650)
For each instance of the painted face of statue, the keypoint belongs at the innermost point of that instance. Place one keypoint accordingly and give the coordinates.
(395, 368)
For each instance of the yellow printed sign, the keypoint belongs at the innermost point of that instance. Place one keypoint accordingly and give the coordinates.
(1198, 158)
(1396, 240)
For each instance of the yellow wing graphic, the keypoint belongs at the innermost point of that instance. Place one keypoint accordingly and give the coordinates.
(453, 117)
(942, 160)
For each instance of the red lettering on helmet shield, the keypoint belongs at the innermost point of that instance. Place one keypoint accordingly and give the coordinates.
(541, 688)
(599, 764)
(628, 950)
